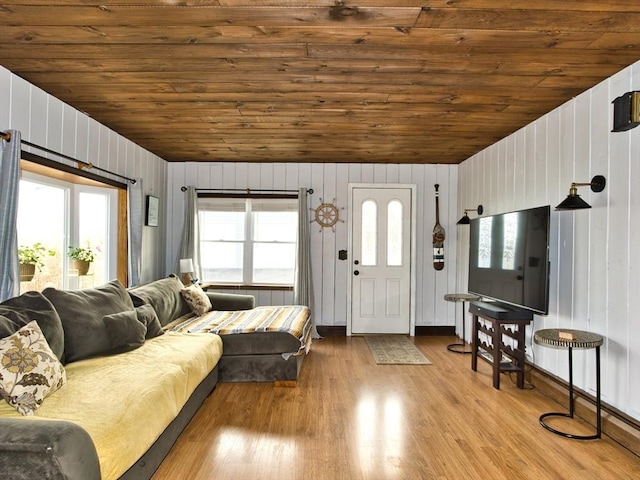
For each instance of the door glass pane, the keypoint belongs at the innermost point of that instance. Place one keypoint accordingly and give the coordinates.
(484, 242)
(369, 232)
(510, 234)
(41, 220)
(394, 233)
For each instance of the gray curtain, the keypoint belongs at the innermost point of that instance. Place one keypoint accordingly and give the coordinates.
(9, 184)
(303, 288)
(190, 245)
(136, 218)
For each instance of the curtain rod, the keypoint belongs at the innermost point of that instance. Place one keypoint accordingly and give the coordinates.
(248, 191)
(81, 165)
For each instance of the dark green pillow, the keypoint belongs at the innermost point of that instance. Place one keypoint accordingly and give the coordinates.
(19, 311)
(81, 312)
(125, 331)
(164, 296)
(147, 315)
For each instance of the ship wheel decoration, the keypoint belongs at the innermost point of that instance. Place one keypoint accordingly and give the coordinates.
(327, 215)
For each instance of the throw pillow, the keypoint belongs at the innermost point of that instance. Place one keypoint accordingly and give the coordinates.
(29, 370)
(81, 312)
(197, 299)
(147, 315)
(164, 296)
(126, 332)
(30, 306)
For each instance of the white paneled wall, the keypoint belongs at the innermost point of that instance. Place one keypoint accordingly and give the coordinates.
(329, 182)
(595, 266)
(46, 121)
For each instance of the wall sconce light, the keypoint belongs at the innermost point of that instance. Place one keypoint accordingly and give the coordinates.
(626, 112)
(465, 220)
(186, 268)
(573, 200)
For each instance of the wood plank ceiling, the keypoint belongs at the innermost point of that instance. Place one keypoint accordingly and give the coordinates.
(391, 81)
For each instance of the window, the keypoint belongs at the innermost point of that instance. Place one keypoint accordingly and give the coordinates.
(58, 214)
(248, 241)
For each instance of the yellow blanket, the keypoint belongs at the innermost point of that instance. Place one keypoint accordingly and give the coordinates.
(126, 401)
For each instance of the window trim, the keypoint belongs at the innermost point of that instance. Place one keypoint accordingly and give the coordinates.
(56, 171)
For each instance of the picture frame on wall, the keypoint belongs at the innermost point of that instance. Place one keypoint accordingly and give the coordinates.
(152, 211)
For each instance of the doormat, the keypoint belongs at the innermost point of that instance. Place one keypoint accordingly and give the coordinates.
(395, 350)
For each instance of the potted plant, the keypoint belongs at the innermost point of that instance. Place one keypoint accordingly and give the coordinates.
(82, 258)
(30, 257)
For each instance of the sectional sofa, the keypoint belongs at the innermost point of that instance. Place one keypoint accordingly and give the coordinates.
(99, 383)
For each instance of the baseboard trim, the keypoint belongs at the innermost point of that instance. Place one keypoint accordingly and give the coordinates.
(616, 425)
(341, 331)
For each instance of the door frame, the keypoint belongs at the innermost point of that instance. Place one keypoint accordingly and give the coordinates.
(413, 255)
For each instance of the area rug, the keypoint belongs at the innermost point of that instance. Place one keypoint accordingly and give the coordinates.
(395, 350)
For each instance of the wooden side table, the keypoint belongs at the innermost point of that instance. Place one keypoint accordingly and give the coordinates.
(566, 338)
(460, 297)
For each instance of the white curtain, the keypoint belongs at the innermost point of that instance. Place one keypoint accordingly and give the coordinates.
(190, 245)
(9, 184)
(303, 288)
(136, 218)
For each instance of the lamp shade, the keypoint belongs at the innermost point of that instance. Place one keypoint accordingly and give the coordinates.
(186, 265)
(465, 220)
(573, 202)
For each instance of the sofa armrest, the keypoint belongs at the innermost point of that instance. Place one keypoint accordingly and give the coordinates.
(231, 301)
(56, 450)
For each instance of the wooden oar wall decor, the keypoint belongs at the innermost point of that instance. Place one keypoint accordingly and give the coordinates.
(438, 237)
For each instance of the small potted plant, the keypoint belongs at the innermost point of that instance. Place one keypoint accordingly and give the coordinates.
(30, 257)
(82, 258)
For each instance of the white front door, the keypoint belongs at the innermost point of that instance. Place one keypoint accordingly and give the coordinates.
(381, 253)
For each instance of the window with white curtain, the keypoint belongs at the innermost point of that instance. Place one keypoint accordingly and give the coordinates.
(248, 241)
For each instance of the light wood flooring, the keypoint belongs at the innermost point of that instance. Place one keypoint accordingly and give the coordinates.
(349, 418)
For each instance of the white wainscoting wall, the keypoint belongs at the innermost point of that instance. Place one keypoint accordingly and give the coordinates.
(595, 261)
(48, 122)
(329, 182)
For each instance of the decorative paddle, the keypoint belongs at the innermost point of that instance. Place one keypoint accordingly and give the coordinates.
(438, 238)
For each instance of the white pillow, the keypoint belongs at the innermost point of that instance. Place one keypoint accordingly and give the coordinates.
(197, 299)
(29, 370)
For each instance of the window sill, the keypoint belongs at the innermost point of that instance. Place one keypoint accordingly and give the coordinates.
(227, 286)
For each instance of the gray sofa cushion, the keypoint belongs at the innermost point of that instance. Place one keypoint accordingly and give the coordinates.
(164, 296)
(125, 331)
(81, 312)
(17, 312)
(148, 316)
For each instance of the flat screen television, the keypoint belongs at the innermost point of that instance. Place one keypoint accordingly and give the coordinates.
(509, 258)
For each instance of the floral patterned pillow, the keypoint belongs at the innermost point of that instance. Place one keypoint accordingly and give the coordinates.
(197, 299)
(29, 370)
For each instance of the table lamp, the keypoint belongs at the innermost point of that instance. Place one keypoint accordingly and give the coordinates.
(186, 268)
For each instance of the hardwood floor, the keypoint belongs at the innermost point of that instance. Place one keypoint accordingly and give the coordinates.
(349, 418)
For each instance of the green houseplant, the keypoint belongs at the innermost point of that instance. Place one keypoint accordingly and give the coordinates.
(30, 257)
(82, 258)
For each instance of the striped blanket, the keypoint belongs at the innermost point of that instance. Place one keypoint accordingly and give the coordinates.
(292, 319)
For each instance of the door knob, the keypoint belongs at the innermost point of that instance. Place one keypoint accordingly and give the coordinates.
(356, 262)
(356, 272)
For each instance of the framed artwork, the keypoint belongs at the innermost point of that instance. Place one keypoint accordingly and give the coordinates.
(151, 217)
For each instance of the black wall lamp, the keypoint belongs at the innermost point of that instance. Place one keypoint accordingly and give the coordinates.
(465, 220)
(573, 200)
(626, 112)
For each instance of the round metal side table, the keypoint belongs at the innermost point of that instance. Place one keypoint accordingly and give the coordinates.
(567, 338)
(461, 297)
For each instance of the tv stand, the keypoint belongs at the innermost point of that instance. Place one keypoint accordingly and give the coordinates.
(492, 320)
